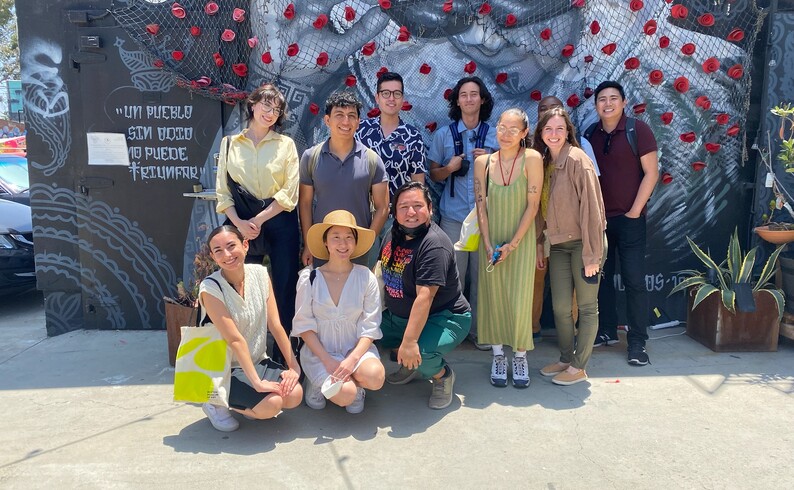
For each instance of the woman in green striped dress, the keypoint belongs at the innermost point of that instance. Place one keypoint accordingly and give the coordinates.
(507, 186)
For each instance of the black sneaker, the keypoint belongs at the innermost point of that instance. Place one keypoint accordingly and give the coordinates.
(637, 355)
(604, 339)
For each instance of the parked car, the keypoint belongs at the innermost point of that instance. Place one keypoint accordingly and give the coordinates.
(17, 268)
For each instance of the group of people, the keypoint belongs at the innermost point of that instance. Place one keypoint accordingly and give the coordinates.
(359, 200)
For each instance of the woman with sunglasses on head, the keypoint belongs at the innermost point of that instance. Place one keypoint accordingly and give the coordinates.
(338, 316)
(239, 300)
(573, 208)
(507, 187)
(257, 189)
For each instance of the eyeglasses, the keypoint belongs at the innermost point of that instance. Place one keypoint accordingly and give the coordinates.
(388, 94)
(268, 109)
(511, 131)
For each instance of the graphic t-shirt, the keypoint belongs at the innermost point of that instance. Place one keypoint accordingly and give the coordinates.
(425, 261)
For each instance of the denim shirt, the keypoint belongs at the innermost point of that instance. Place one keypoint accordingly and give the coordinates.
(441, 151)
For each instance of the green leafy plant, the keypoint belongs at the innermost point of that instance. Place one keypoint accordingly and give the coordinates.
(782, 197)
(731, 273)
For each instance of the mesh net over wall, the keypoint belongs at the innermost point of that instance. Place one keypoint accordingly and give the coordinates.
(684, 65)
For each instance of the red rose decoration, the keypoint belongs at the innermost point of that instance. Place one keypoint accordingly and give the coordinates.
(501, 77)
(178, 55)
(712, 147)
(267, 58)
(655, 77)
(424, 69)
(573, 100)
(195, 31)
(639, 108)
(374, 112)
(470, 67)
(350, 80)
(733, 130)
(577, 3)
(632, 63)
(588, 92)
(289, 12)
(383, 70)
(567, 50)
(609, 49)
(240, 69)
(153, 29)
(595, 27)
(211, 8)
(679, 12)
(320, 21)
(158, 63)
(636, 5)
(368, 48)
(736, 71)
(689, 137)
(510, 20)
(406, 106)
(314, 108)
(706, 20)
(447, 93)
(293, 49)
(688, 49)
(238, 15)
(403, 35)
(228, 35)
(545, 34)
(384, 4)
(252, 42)
(322, 59)
(588, 58)
(666, 178)
(666, 118)
(535, 95)
(650, 28)
(485, 9)
(711, 65)
(722, 119)
(681, 84)
(178, 11)
(735, 35)
(703, 102)
(431, 126)
(447, 7)
(350, 13)
(698, 166)
(218, 59)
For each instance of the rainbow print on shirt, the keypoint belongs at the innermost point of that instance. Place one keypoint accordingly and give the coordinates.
(393, 269)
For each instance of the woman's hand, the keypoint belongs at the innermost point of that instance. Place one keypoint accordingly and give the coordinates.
(262, 386)
(539, 258)
(289, 379)
(591, 270)
(345, 369)
(331, 365)
(248, 228)
(504, 251)
(408, 355)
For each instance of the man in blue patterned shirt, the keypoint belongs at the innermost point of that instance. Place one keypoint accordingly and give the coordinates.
(399, 145)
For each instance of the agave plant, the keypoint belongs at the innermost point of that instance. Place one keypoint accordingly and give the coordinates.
(734, 273)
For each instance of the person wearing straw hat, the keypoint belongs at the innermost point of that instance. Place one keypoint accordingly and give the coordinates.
(338, 316)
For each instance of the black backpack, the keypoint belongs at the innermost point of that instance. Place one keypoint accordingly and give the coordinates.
(631, 133)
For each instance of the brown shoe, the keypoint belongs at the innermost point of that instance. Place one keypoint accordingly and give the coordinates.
(565, 378)
(554, 369)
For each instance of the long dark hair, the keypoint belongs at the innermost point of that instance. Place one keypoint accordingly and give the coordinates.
(268, 93)
(396, 232)
(487, 100)
(221, 229)
(538, 143)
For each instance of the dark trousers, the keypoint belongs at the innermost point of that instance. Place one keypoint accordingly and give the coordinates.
(626, 238)
(282, 242)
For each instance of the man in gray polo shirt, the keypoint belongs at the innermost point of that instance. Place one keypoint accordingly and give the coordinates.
(342, 173)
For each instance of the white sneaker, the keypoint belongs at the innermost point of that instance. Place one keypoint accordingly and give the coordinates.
(314, 396)
(499, 371)
(220, 418)
(520, 372)
(358, 404)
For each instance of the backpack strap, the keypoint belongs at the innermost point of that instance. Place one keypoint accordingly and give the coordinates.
(590, 130)
(312, 275)
(456, 139)
(482, 133)
(314, 158)
(631, 133)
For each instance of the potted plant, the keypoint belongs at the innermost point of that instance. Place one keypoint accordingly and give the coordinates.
(182, 309)
(771, 231)
(728, 309)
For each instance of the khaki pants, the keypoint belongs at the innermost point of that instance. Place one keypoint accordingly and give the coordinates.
(537, 299)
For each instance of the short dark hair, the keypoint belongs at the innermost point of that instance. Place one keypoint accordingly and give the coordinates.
(268, 93)
(390, 76)
(609, 84)
(342, 98)
(487, 100)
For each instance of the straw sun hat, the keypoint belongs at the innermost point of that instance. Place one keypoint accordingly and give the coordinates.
(314, 239)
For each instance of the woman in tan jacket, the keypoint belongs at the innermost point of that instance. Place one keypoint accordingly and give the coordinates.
(573, 208)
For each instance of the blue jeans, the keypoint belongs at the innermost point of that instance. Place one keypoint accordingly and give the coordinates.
(626, 237)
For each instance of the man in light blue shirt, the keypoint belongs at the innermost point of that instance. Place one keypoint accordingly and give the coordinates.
(451, 156)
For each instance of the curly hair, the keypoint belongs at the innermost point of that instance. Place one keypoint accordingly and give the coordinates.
(267, 93)
(343, 98)
(487, 100)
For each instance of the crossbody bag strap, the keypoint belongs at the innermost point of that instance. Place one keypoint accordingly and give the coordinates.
(201, 314)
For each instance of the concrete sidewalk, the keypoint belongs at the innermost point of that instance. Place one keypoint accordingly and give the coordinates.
(93, 410)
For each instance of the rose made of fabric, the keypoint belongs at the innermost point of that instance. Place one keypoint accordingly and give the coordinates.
(350, 13)
(639, 108)
(267, 58)
(706, 20)
(350, 80)
(711, 65)
(218, 59)
(320, 21)
(678, 11)
(609, 49)
(289, 12)
(228, 35)
(655, 77)
(153, 29)
(211, 8)
(636, 5)
(510, 20)
(293, 49)
(178, 55)
(698, 166)
(722, 119)
(240, 69)
(406, 106)
(314, 108)
(735, 35)
(178, 11)
(485, 9)
(238, 15)
(666, 117)
(470, 67)
(703, 102)
(545, 34)
(712, 147)
(688, 49)
(195, 31)
(431, 126)
(368, 48)
(666, 178)
(595, 27)
(688, 137)
(567, 50)
(374, 112)
(536, 95)
(632, 63)
(650, 28)
(573, 100)
(736, 71)
(322, 59)
(403, 35)
(501, 77)
(664, 42)
(733, 130)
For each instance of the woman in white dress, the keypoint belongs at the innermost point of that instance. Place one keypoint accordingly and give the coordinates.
(338, 314)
